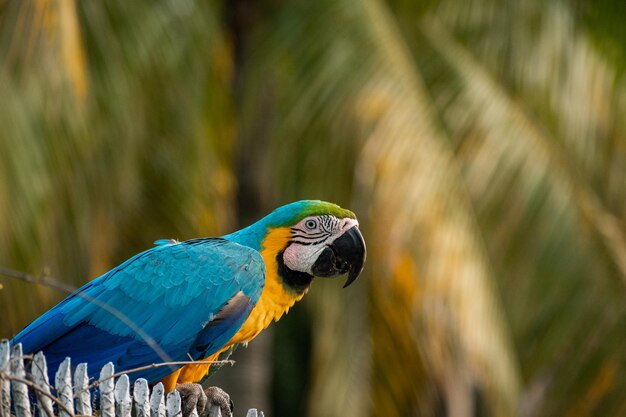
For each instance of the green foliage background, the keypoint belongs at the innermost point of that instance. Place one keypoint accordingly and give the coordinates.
(481, 143)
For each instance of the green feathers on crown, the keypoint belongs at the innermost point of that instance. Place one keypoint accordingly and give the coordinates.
(291, 214)
(285, 216)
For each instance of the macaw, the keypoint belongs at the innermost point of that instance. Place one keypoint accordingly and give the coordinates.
(199, 298)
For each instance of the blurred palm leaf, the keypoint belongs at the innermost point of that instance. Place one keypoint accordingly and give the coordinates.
(94, 170)
(537, 146)
(480, 143)
(549, 141)
(354, 98)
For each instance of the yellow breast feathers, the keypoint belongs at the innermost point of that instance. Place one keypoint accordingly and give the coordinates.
(273, 303)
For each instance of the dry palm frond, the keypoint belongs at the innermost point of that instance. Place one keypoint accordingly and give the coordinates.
(349, 71)
(539, 144)
(143, 152)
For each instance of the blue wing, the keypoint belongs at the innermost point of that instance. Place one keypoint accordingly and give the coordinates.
(172, 302)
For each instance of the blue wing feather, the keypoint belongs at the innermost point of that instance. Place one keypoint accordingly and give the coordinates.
(172, 292)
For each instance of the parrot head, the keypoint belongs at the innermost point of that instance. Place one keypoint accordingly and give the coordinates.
(324, 245)
(310, 238)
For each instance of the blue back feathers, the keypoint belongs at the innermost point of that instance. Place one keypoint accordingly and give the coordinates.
(171, 292)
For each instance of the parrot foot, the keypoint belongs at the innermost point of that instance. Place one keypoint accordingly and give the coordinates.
(217, 398)
(207, 402)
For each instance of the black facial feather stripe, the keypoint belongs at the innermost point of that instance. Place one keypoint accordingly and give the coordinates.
(310, 239)
(307, 235)
(326, 224)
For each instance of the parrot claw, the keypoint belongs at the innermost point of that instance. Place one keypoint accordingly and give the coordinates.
(206, 402)
(218, 399)
(192, 396)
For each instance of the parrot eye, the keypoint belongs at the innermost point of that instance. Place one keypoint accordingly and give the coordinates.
(310, 224)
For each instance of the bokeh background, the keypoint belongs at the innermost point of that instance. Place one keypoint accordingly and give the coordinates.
(482, 144)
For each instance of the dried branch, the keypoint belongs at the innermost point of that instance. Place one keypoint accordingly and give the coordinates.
(42, 279)
(158, 365)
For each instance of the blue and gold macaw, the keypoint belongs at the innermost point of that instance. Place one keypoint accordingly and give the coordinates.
(197, 299)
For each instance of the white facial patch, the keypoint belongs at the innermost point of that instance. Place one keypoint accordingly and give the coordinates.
(301, 258)
(310, 237)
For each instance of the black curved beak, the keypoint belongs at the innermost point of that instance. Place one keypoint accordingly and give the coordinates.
(346, 254)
